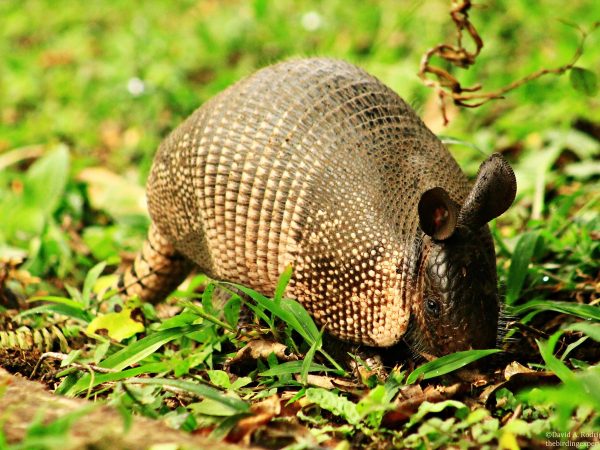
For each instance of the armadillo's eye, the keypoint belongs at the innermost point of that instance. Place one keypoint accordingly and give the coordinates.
(432, 306)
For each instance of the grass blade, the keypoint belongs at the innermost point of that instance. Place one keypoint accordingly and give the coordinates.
(519, 264)
(447, 364)
(198, 389)
(282, 283)
(141, 349)
(87, 381)
(554, 364)
(308, 359)
(74, 312)
(288, 310)
(590, 329)
(574, 309)
(90, 280)
(57, 300)
(293, 367)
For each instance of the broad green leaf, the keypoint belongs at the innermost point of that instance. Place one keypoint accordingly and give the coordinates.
(106, 241)
(107, 191)
(26, 219)
(240, 383)
(292, 367)
(372, 406)
(180, 320)
(231, 311)
(427, 407)
(579, 389)
(212, 407)
(589, 380)
(447, 364)
(520, 261)
(336, 404)
(119, 325)
(207, 297)
(575, 309)
(46, 180)
(584, 80)
(219, 378)
(139, 350)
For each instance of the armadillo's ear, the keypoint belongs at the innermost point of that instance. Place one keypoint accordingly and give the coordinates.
(492, 194)
(438, 214)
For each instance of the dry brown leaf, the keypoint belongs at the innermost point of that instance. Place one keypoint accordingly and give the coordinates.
(261, 349)
(515, 368)
(516, 377)
(262, 412)
(321, 381)
(282, 434)
(412, 396)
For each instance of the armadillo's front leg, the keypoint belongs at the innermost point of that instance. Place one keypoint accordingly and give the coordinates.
(157, 270)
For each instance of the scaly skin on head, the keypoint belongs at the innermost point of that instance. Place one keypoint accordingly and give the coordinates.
(456, 305)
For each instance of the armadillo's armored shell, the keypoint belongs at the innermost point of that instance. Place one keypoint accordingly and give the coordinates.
(313, 162)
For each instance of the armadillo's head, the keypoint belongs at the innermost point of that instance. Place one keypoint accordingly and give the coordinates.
(457, 305)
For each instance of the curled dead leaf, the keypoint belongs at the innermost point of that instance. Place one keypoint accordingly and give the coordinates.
(321, 381)
(514, 368)
(262, 413)
(516, 377)
(411, 397)
(261, 349)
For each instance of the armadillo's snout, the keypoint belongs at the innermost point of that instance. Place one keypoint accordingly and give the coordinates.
(478, 332)
(471, 324)
(455, 335)
(459, 305)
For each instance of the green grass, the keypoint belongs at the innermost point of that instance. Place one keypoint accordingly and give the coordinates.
(89, 90)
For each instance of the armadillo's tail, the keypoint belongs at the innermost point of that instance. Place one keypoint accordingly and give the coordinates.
(156, 271)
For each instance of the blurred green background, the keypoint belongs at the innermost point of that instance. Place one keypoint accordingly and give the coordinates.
(100, 83)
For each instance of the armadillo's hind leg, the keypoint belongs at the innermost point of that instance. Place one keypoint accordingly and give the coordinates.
(157, 270)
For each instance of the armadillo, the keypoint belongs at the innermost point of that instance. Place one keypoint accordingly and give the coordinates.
(316, 163)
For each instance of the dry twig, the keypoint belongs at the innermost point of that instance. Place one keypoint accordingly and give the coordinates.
(447, 86)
